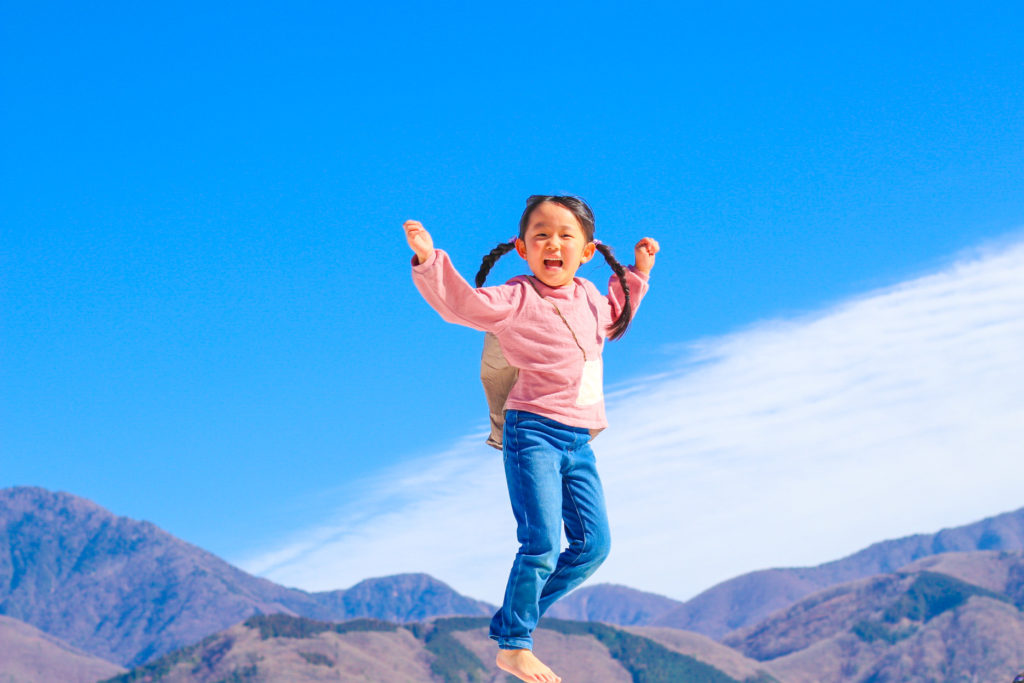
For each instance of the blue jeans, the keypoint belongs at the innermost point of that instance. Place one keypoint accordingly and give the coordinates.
(552, 479)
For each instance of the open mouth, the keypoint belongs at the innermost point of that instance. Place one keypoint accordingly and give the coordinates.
(552, 263)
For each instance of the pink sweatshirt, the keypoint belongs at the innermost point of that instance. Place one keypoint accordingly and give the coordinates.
(554, 379)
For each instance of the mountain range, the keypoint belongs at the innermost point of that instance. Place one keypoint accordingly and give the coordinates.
(96, 592)
(746, 599)
(127, 591)
(917, 624)
(449, 650)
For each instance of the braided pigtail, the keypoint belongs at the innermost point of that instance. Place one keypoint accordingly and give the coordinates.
(618, 328)
(491, 258)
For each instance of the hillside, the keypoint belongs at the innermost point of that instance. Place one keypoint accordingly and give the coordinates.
(700, 647)
(282, 648)
(27, 655)
(915, 624)
(910, 625)
(127, 591)
(748, 598)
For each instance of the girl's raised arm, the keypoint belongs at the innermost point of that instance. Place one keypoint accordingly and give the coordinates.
(419, 240)
(448, 293)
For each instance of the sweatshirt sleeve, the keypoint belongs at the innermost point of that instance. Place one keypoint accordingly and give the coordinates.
(638, 285)
(486, 308)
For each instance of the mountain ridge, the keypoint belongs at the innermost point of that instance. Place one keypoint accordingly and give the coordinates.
(913, 624)
(138, 591)
(745, 599)
(130, 593)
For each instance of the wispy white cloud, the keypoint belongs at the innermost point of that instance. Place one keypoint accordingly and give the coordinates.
(792, 442)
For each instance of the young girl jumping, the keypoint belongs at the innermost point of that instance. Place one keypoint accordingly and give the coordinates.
(551, 328)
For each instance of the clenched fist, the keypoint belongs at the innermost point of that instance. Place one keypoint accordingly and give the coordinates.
(419, 240)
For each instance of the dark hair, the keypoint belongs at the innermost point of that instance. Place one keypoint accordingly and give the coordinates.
(585, 217)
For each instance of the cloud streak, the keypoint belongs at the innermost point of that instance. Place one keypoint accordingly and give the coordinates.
(788, 443)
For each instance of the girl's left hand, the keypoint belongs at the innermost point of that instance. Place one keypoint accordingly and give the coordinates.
(644, 252)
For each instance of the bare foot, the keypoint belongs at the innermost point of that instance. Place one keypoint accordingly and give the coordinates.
(526, 667)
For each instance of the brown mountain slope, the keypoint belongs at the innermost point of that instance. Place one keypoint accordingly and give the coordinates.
(283, 648)
(981, 641)
(573, 657)
(27, 655)
(740, 601)
(706, 650)
(908, 626)
(833, 611)
(243, 652)
(999, 571)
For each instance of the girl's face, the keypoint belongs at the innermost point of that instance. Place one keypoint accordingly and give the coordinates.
(554, 245)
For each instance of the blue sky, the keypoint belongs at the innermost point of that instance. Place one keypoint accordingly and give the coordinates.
(206, 317)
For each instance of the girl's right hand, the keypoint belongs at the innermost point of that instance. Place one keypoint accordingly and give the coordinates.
(419, 240)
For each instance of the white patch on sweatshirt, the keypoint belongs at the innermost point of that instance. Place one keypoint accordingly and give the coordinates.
(591, 383)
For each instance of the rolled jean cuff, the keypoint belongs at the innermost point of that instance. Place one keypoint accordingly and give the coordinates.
(514, 643)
